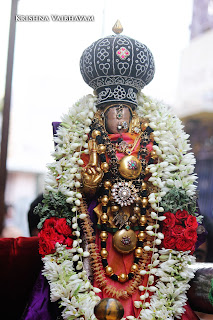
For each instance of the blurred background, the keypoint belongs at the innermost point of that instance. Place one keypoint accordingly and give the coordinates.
(46, 81)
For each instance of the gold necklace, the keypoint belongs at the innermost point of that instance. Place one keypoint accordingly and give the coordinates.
(122, 240)
(124, 147)
(96, 263)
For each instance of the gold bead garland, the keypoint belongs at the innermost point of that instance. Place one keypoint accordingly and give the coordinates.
(141, 235)
(138, 215)
(97, 265)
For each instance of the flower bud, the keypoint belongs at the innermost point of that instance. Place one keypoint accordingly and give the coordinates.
(75, 257)
(86, 254)
(141, 288)
(154, 215)
(80, 250)
(77, 184)
(158, 241)
(77, 202)
(149, 228)
(76, 233)
(150, 233)
(137, 304)
(82, 216)
(80, 162)
(78, 195)
(147, 248)
(160, 235)
(143, 272)
(75, 243)
(152, 289)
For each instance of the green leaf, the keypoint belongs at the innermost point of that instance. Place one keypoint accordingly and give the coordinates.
(177, 199)
(54, 205)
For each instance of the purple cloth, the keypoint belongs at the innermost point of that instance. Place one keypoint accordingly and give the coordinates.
(91, 205)
(38, 307)
(55, 127)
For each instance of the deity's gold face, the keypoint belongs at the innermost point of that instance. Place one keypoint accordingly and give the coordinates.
(117, 119)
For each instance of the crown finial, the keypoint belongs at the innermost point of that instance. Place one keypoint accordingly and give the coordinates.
(117, 28)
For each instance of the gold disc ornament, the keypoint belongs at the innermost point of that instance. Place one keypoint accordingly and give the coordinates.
(129, 167)
(124, 241)
(109, 309)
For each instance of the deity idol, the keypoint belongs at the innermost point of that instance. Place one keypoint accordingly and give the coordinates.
(118, 222)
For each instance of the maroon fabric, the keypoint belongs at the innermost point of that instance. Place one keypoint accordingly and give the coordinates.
(20, 264)
(189, 314)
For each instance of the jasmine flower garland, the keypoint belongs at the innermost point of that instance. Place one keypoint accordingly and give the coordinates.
(76, 294)
(174, 170)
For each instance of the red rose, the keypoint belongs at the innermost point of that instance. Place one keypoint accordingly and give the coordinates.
(51, 222)
(191, 222)
(47, 240)
(169, 222)
(181, 215)
(59, 238)
(63, 228)
(68, 242)
(178, 222)
(45, 245)
(48, 232)
(169, 242)
(166, 231)
(54, 230)
(184, 244)
(190, 234)
(177, 230)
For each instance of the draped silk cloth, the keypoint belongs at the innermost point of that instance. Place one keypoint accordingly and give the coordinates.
(39, 308)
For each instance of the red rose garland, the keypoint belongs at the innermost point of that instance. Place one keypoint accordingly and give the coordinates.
(54, 230)
(179, 231)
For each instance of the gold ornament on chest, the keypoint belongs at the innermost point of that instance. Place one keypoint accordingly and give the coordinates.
(129, 167)
(125, 240)
(124, 193)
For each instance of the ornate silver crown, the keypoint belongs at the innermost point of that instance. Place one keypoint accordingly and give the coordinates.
(117, 67)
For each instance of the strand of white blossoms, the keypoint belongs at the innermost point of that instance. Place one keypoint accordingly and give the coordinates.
(170, 297)
(176, 171)
(74, 290)
(71, 288)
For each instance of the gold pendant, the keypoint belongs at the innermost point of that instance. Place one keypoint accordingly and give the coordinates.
(124, 241)
(129, 167)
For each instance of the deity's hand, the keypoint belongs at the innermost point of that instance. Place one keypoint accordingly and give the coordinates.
(92, 173)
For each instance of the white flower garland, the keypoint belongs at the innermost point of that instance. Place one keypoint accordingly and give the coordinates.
(175, 169)
(77, 295)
